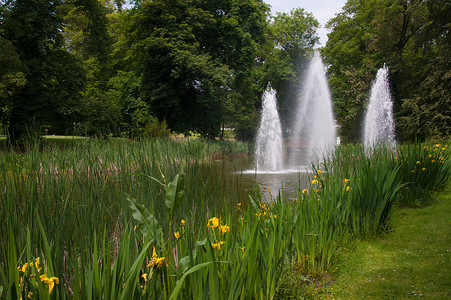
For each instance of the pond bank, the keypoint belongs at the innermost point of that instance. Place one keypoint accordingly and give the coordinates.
(411, 261)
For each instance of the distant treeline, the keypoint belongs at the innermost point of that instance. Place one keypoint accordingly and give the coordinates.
(103, 68)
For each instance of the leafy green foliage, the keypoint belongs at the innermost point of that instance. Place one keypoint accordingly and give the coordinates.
(411, 38)
(97, 69)
(191, 55)
(350, 64)
(427, 113)
(12, 78)
(292, 37)
(51, 78)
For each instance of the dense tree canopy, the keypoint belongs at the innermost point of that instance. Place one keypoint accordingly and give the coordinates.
(99, 67)
(44, 81)
(96, 67)
(412, 38)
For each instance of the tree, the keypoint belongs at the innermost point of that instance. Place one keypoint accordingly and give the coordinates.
(193, 56)
(240, 27)
(180, 81)
(12, 78)
(428, 112)
(58, 72)
(350, 65)
(86, 35)
(368, 34)
(292, 37)
(52, 78)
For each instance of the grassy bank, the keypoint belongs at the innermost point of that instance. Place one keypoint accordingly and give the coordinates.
(411, 261)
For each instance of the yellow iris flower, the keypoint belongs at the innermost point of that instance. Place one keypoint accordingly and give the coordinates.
(50, 281)
(213, 222)
(24, 267)
(217, 245)
(155, 260)
(224, 228)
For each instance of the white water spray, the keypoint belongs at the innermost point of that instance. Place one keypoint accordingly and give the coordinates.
(379, 125)
(269, 148)
(314, 129)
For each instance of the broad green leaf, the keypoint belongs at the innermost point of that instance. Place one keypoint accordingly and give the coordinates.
(184, 263)
(175, 194)
(200, 243)
(148, 224)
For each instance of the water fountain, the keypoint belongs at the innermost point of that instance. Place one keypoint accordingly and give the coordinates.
(313, 134)
(269, 147)
(314, 129)
(379, 125)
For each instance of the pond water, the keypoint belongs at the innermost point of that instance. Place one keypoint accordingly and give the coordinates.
(240, 174)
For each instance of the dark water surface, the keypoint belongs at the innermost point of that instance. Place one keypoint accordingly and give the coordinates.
(239, 173)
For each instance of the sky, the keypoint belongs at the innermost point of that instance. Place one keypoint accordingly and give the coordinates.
(322, 10)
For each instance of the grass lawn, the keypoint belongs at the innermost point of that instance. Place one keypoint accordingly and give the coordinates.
(411, 261)
(63, 137)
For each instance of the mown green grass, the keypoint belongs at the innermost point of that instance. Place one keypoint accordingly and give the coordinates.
(63, 137)
(411, 261)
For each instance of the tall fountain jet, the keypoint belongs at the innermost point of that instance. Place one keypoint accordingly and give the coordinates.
(314, 128)
(269, 148)
(379, 125)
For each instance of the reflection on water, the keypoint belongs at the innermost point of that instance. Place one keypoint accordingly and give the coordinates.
(242, 175)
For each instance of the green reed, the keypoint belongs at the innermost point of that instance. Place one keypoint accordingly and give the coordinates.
(118, 220)
(423, 168)
(81, 189)
(371, 183)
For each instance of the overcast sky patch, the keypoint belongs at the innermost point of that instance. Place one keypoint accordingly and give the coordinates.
(322, 10)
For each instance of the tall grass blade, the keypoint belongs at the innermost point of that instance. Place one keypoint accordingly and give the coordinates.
(179, 283)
